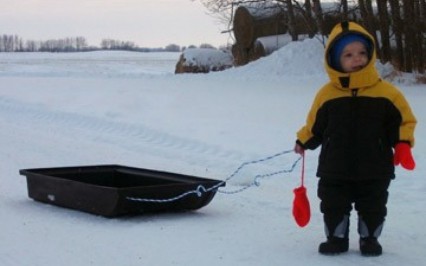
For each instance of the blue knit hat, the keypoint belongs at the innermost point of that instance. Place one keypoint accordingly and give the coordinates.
(340, 44)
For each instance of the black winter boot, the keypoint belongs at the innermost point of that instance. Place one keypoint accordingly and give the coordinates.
(369, 229)
(369, 246)
(334, 246)
(337, 232)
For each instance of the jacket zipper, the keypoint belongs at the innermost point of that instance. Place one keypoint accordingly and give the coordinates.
(355, 163)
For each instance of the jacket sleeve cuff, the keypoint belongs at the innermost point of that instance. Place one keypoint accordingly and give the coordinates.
(301, 144)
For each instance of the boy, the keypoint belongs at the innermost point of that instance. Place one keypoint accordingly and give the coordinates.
(357, 118)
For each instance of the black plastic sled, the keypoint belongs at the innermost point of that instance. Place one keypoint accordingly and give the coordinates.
(115, 190)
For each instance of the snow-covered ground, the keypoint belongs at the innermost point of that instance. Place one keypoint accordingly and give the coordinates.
(130, 109)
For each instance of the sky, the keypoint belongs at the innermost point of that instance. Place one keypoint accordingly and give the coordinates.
(147, 23)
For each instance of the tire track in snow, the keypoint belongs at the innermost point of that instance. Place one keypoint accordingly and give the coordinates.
(135, 137)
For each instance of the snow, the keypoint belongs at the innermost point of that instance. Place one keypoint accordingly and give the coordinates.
(273, 42)
(130, 109)
(210, 58)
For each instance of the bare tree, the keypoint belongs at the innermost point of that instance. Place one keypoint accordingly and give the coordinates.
(309, 18)
(345, 9)
(408, 30)
(291, 20)
(384, 30)
(7, 44)
(418, 38)
(31, 46)
(80, 43)
(397, 27)
(368, 17)
(319, 16)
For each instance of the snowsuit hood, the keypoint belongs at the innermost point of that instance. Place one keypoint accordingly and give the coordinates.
(367, 76)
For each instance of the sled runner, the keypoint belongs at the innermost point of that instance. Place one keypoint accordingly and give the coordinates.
(107, 189)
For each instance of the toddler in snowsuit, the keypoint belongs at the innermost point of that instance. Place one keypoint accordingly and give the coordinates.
(358, 119)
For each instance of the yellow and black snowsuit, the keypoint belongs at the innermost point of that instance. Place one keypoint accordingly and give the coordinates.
(357, 118)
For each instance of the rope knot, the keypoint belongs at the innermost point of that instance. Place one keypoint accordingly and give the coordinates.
(200, 190)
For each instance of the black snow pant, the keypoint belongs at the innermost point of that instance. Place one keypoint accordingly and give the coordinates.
(369, 198)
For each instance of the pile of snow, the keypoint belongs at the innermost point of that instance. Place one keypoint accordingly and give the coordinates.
(288, 61)
(275, 42)
(292, 61)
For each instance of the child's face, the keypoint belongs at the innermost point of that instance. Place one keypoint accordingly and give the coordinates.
(354, 57)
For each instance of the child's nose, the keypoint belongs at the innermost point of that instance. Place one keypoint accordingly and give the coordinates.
(358, 57)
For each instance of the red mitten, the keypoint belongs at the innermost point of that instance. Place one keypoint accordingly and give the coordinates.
(403, 156)
(301, 207)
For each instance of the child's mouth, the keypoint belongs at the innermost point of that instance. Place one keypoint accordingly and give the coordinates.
(356, 68)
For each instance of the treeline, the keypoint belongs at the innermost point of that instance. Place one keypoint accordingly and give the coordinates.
(14, 43)
(399, 26)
